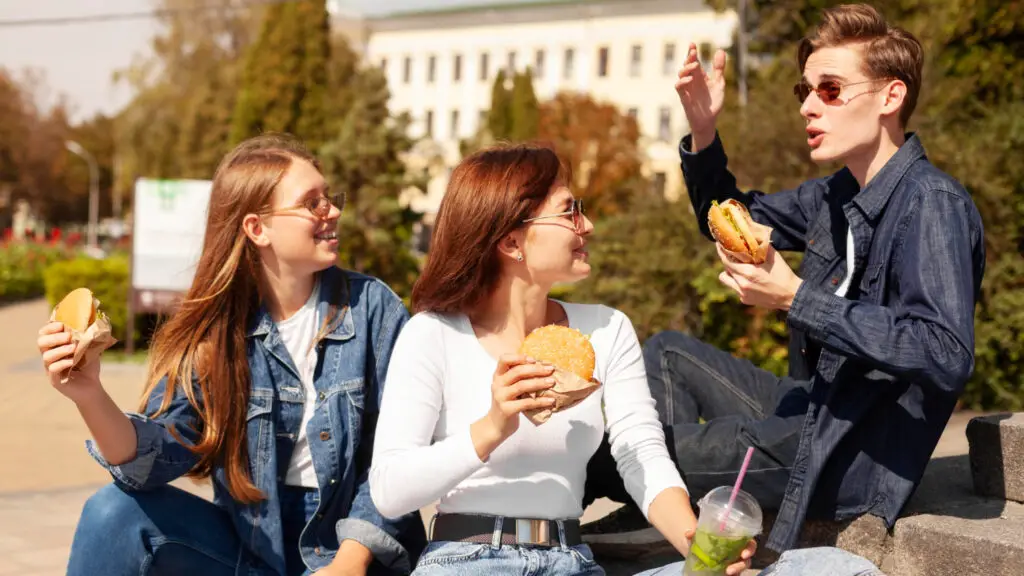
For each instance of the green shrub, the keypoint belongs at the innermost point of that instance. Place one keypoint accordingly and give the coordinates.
(21, 268)
(107, 278)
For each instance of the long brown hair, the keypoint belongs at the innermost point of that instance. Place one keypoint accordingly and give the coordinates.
(489, 195)
(205, 338)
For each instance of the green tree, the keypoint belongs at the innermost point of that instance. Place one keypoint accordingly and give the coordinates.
(363, 158)
(499, 117)
(178, 123)
(524, 110)
(284, 81)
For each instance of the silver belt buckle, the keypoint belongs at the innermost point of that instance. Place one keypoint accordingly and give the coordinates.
(532, 532)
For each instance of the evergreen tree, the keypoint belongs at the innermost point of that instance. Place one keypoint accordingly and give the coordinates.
(363, 158)
(283, 85)
(499, 118)
(525, 111)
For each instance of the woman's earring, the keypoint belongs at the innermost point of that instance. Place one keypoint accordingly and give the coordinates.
(519, 257)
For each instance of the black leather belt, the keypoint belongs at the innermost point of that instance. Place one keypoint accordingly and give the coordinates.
(514, 531)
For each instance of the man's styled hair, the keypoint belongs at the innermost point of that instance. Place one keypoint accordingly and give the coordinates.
(890, 52)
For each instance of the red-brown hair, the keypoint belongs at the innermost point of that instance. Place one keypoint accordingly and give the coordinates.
(489, 195)
(890, 52)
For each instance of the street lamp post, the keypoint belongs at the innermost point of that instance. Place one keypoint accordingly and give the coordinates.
(94, 187)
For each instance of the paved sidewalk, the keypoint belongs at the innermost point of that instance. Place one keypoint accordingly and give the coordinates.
(49, 475)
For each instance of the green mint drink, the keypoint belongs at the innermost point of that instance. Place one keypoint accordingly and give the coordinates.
(712, 553)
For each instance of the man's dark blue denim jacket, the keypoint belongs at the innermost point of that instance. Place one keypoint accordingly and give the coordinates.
(887, 361)
(351, 369)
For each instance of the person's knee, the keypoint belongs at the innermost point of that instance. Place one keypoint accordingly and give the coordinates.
(110, 510)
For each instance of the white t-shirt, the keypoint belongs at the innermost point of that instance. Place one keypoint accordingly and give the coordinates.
(439, 382)
(297, 334)
(841, 291)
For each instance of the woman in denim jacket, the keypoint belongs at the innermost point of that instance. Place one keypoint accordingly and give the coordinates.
(267, 380)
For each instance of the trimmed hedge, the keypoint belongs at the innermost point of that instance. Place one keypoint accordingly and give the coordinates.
(107, 278)
(21, 268)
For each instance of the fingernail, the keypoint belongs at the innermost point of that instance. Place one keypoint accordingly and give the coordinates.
(530, 359)
(549, 380)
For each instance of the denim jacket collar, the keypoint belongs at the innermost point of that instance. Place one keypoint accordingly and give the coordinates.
(333, 289)
(873, 198)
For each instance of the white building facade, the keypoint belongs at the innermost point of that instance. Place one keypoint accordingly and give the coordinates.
(440, 67)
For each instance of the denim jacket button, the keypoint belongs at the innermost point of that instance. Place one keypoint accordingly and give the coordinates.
(316, 550)
(333, 481)
(322, 396)
(835, 280)
(811, 241)
(325, 436)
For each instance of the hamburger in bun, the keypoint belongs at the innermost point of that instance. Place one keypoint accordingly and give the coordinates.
(79, 312)
(732, 227)
(572, 355)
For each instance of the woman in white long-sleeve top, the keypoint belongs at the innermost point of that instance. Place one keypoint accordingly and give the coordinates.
(451, 426)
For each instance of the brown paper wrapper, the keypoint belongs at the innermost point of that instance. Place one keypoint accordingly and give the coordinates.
(764, 233)
(91, 342)
(568, 391)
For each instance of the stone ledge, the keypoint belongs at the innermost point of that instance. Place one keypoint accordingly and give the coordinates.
(997, 455)
(985, 538)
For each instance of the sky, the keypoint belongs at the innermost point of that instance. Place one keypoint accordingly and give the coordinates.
(78, 61)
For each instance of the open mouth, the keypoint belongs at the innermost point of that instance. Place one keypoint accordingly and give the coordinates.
(327, 236)
(815, 137)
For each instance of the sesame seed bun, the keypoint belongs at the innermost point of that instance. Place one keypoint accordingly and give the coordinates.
(562, 347)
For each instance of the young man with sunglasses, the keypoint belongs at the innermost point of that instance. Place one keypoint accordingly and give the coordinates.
(881, 312)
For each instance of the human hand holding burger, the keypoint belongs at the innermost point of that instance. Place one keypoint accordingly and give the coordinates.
(753, 268)
(72, 368)
(553, 371)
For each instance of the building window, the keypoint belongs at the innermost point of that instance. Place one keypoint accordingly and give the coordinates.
(570, 61)
(429, 121)
(668, 62)
(407, 70)
(658, 183)
(483, 66)
(635, 60)
(538, 64)
(511, 63)
(665, 124)
(602, 62)
(431, 68)
(455, 124)
(705, 51)
(384, 64)
(457, 68)
(481, 120)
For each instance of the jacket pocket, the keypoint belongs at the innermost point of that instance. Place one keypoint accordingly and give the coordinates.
(871, 284)
(258, 430)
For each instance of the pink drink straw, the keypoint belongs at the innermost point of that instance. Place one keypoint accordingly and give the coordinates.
(736, 487)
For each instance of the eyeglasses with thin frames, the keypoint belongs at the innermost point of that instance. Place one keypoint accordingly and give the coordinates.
(318, 206)
(829, 91)
(576, 211)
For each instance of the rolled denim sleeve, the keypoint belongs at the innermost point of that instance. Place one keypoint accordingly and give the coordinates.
(389, 540)
(928, 332)
(160, 457)
(708, 179)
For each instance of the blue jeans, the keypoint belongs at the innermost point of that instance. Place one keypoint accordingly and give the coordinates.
(806, 562)
(169, 531)
(470, 559)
